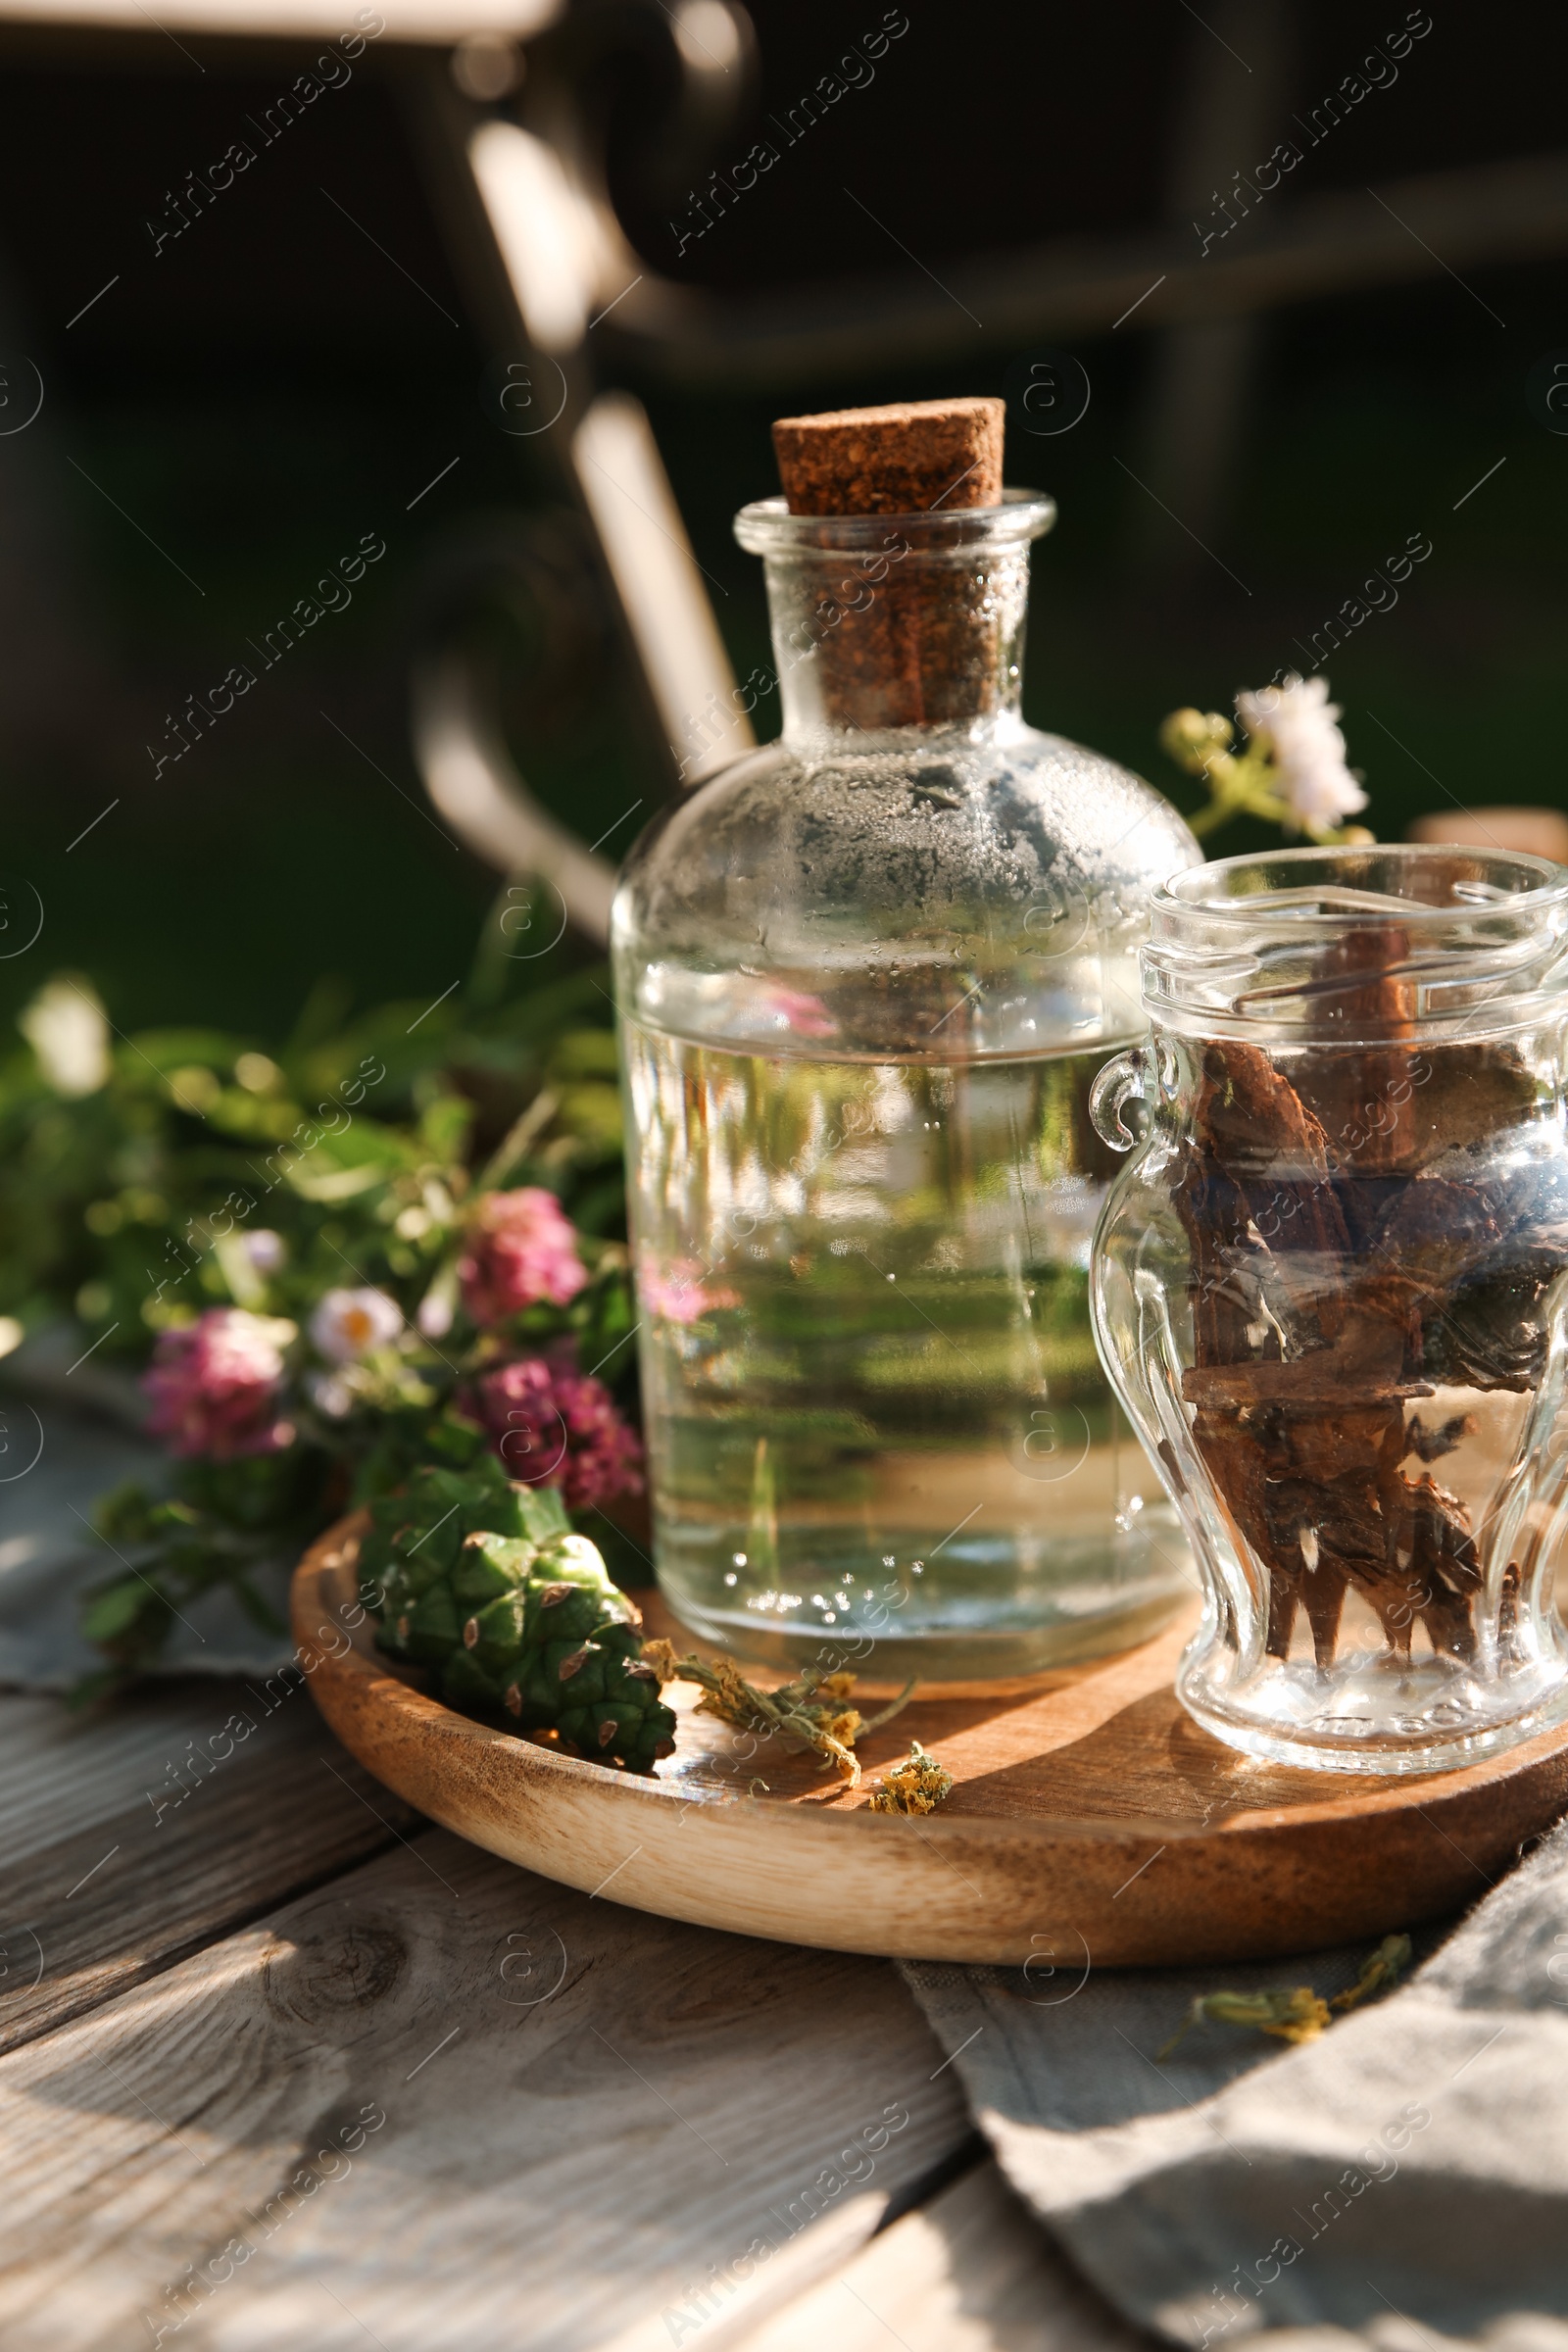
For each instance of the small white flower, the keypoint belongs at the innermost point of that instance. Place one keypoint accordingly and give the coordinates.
(435, 1314)
(330, 1394)
(265, 1249)
(347, 1324)
(1295, 721)
(68, 1031)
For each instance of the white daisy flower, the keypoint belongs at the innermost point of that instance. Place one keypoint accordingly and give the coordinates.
(347, 1324)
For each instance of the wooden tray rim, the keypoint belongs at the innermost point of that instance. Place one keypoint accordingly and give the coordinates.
(1351, 1797)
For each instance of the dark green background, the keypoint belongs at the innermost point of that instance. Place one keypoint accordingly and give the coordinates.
(269, 388)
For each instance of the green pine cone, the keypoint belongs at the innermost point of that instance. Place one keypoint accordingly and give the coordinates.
(414, 1571)
(485, 1582)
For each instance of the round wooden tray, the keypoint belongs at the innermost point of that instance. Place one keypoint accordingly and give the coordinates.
(1092, 1824)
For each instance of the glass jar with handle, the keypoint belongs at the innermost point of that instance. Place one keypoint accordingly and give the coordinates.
(1332, 1292)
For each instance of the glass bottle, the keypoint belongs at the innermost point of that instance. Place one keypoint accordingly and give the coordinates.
(866, 977)
(1334, 1289)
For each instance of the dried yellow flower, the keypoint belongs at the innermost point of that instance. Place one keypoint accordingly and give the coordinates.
(830, 1731)
(728, 1694)
(916, 1786)
(1297, 2015)
(1386, 1966)
(1294, 2016)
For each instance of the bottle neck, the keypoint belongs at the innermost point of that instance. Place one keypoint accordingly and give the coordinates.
(897, 638)
(888, 622)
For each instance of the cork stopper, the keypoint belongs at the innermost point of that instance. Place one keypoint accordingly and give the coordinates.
(912, 458)
(926, 641)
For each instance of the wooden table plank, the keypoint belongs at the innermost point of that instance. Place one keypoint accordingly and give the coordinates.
(60, 1772)
(452, 2104)
(130, 1839)
(970, 2271)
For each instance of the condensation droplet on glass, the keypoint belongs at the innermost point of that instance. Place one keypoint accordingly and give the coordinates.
(731, 1578)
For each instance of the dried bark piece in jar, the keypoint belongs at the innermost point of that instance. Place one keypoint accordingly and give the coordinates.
(915, 646)
(1306, 1347)
(1364, 1097)
(1258, 1173)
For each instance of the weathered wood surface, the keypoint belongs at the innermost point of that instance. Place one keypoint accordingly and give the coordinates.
(131, 1837)
(969, 2271)
(1091, 1814)
(439, 2103)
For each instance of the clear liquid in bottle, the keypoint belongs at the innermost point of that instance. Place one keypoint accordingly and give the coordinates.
(874, 1407)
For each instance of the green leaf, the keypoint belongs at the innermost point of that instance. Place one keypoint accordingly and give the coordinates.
(444, 1125)
(168, 1049)
(542, 1513)
(114, 1608)
(585, 1053)
(455, 1438)
(124, 1514)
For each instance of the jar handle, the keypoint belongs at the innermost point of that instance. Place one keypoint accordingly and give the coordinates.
(1123, 1080)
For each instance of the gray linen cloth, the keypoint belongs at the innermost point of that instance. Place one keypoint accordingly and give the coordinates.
(1403, 2181)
